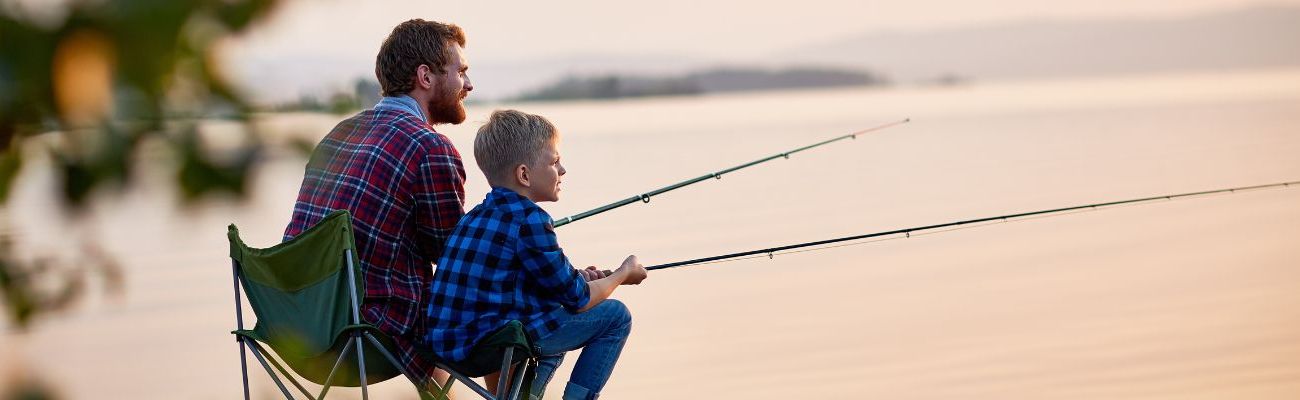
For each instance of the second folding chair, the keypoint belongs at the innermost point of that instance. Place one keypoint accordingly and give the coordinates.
(305, 294)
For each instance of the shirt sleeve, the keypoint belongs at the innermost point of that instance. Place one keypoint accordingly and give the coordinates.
(439, 198)
(546, 265)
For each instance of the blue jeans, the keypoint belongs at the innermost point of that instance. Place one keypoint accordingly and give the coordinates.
(600, 332)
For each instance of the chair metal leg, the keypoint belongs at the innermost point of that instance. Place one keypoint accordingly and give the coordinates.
(243, 366)
(361, 365)
(441, 389)
(444, 389)
(504, 379)
(257, 353)
(517, 381)
(329, 379)
(477, 388)
(283, 371)
(392, 359)
(356, 319)
(239, 323)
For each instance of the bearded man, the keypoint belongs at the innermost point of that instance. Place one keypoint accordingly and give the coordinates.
(402, 181)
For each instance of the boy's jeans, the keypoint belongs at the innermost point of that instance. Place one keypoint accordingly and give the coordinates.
(600, 332)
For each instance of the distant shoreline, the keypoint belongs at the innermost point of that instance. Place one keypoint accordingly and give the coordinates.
(716, 80)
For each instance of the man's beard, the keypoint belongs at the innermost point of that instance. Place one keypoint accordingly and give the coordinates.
(446, 107)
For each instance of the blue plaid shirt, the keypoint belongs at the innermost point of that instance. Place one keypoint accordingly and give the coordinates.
(501, 263)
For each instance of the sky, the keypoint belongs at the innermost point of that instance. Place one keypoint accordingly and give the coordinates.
(310, 45)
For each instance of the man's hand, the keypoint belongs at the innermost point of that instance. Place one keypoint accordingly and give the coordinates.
(592, 273)
(635, 272)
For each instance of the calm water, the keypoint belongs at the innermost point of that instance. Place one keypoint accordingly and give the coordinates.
(1194, 299)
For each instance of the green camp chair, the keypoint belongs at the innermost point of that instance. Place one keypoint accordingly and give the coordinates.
(304, 294)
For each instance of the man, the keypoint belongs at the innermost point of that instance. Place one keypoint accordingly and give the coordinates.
(402, 181)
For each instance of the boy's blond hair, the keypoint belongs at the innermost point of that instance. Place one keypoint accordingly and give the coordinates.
(508, 139)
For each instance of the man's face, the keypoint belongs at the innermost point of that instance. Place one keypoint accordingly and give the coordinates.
(544, 175)
(449, 90)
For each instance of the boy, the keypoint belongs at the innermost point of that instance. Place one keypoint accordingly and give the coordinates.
(503, 263)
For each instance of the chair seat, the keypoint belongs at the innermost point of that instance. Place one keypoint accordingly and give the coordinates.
(486, 355)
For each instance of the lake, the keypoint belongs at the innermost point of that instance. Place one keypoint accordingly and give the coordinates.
(1187, 299)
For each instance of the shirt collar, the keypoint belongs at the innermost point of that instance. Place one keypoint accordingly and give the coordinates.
(511, 200)
(402, 103)
(505, 195)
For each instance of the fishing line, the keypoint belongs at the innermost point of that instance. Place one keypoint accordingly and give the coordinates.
(906, 236)
(948, 227)
(645, 197)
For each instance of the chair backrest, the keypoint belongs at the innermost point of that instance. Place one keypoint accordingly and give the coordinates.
(299, 291)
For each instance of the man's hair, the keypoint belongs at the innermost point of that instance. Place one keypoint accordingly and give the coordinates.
(411, 44)
(508, 139)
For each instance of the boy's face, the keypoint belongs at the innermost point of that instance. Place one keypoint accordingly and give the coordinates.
(544, 177)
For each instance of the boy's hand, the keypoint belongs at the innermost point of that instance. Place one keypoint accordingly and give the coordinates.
(633, 270)
(592, 273)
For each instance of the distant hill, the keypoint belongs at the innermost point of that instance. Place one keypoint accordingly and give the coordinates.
(1267, 36)
(611, 86)
(742, 79)
(1255, 37)
(508, 78)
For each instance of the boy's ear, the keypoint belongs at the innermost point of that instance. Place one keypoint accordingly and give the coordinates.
(521, 175)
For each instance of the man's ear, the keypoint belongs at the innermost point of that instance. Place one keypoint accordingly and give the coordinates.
(424, 77)
(521, 175)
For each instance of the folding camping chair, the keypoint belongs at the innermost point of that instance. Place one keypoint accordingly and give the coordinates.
(304, 293)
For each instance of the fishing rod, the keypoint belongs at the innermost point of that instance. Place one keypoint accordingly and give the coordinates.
(770, 252)
(645, 197)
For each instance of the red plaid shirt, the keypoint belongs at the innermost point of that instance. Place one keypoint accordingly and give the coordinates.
(404, 185)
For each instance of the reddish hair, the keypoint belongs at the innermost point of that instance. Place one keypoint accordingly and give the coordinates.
(411, 44)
